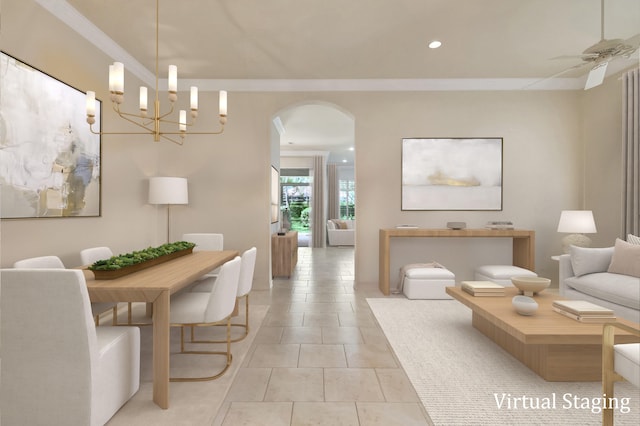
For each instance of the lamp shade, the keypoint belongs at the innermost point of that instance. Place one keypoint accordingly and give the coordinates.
(577, 222)
(168, 190)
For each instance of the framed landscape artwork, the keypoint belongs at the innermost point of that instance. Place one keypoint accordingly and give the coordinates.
(49, 159)
(452, 174)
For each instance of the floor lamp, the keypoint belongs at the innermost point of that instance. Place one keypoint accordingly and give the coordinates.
(168, 190)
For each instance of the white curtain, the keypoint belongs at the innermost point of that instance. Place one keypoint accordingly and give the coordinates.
(631, 152)
(317, 212)
(333, 202)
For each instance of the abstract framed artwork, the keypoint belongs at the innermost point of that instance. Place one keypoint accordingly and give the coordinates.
(49, 159)
(452, 174)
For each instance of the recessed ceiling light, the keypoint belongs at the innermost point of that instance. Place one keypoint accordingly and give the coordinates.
(435, 44)
(344, 161)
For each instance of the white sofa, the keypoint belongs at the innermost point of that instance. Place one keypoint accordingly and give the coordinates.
(608, 277)
(341, 232)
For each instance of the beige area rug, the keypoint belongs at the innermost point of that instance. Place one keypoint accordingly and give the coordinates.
(194, 403)
(462, 377)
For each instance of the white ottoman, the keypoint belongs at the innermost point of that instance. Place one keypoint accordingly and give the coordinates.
(501, 274)
(428, 283)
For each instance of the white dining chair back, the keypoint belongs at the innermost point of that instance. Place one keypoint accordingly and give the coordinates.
(246, 272)
(91, 255)
(40, 262)
(56, 263)
(58, 368)
(205, 241)
(222, 298)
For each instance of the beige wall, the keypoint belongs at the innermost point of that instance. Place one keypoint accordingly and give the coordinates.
(545, 167)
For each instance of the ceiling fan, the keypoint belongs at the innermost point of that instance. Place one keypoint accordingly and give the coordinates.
(600, 54)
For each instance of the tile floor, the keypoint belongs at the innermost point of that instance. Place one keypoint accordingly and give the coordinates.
(320, 357)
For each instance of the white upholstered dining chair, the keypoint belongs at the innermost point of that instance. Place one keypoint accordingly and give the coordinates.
(619, 362)
(55, 262)
(206, 241)
(199, 309)
(58, 368)
(91, 255)
(245, 283)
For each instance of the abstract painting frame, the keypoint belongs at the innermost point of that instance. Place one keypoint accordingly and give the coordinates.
(50, 160)
(452, 173)
(275, 195)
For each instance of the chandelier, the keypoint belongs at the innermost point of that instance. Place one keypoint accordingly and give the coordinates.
(152, 124)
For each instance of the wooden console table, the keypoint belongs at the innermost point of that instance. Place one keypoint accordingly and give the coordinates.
(284, 253)
(523, 245)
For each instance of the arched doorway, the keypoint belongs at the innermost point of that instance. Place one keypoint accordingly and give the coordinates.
(316, 143)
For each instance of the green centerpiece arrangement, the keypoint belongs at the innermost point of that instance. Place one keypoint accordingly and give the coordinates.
(127, 263)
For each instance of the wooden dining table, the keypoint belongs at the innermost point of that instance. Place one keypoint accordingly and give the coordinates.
(155, 285)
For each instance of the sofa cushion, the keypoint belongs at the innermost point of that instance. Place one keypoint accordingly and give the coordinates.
(633, 239)
(590, 260)
(616, 288)
(626, 259)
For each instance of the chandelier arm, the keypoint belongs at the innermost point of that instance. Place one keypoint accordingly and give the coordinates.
(124, 115)
(164, 135)
(117, 133)
(160, 117)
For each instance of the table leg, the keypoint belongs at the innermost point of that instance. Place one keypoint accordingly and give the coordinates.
(383, 263)
(161, 350)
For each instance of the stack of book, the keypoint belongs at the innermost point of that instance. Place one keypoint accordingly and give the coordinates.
(583, 311)
(506, 224)
(482, 288)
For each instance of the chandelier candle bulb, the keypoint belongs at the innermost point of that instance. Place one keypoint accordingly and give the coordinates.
(173, 80)
(183, 120)
(91, 104)
(194, 98)
(223, 103)
(143, 99)
(118, 78)
(112, 76)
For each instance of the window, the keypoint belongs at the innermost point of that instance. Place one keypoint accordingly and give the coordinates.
(347, 199)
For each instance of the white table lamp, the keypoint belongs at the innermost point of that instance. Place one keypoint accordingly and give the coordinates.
(576, 223)
(168, 190)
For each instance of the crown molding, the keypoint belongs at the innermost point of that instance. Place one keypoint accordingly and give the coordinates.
(79, 23)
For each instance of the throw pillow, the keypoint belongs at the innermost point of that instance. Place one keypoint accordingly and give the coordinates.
(633, 239)
(585, 260)
(341, 224)
(626, 259)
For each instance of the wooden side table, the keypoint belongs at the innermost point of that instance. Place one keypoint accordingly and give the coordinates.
(284, 253)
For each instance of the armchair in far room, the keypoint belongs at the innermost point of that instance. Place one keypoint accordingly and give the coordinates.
(341, 232)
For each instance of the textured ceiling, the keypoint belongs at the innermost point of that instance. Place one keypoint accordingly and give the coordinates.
(361, 39)
(346, 39)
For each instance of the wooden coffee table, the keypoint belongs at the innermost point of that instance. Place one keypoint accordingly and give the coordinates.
(557, 348)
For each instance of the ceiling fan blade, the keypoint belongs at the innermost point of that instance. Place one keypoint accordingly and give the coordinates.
(584, 56)
(542, 80)
(633, 41)
(596, 75)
